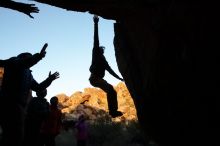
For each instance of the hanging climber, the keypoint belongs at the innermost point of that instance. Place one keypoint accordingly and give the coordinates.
(97, 69)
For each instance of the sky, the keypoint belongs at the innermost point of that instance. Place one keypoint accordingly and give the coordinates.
(69, 36)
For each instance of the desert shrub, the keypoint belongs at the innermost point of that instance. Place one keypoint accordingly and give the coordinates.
(105, 132)
(115, 134)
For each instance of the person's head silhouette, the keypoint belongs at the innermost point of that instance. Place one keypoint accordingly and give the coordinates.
(24, 55)
(54, 101)
(41, 93)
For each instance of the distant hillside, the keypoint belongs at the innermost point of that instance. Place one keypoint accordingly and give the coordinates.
(93, 103)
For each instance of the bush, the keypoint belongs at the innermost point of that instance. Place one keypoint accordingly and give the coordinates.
(106, 133)
(115, 134)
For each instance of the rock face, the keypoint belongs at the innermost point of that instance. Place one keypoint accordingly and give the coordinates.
(168, 55)
(93, 103)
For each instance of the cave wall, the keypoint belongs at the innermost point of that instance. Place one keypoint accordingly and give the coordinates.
(1, 76)
(169, 60)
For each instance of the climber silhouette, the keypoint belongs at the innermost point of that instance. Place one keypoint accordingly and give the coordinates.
(97, 69)
(37, 111)
(16, 88)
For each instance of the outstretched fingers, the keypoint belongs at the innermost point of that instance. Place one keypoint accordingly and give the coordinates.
(56, 75)
(33, 8)
(30, 8)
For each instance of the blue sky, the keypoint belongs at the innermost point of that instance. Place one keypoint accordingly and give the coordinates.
(69, 36)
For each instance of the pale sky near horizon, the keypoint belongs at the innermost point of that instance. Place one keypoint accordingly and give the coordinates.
(69, 36)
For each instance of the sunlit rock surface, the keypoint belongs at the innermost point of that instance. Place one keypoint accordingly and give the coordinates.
(92, 102)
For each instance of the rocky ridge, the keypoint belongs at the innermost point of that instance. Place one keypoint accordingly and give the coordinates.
(92, 102)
